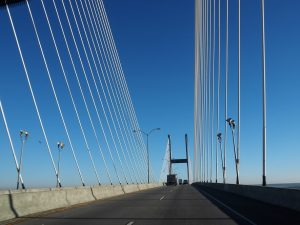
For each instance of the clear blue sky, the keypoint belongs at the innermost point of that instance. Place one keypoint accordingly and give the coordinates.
(155, 40)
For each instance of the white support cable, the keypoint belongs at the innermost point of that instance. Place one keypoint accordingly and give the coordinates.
(55, 95)
(214, 50)
(199, 141)
(108, 90)
(11, 144)
(97, 90)
(118, 104)
(210, 90)
(71, 95)
(112, 118)
(122, 79)
(124, 85)
(67, 83)
(119, 98)
(90, 92)
(135, 119)
(213, 90)
(196, 74)
(226, 89)
(205, 89)
(92, 73)
(239, 89)
(202, 91)
(202, 94)
(106, 87)
(264, 96)
(32, 93)
(114, 88)
(219, 76)
(165, 165)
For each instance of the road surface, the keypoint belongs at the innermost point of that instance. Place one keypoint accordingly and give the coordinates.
(184, 205)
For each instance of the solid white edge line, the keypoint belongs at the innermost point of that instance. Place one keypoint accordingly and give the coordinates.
(162, 198)
(130, 223)
(230, 209)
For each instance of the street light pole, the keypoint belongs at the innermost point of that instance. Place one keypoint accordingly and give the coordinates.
(60, 146)
(24, 136)
(231, 123)
(148, 157)
(148, 160)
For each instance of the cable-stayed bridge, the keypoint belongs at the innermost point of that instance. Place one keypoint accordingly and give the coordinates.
(105, 100)
(80, 135)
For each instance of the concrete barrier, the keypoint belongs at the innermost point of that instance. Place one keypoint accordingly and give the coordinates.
(131, 188)
(18, 203)
(6, 210)
(24, 202)
(101, 192)
(79, 195)
(147, 186)
(289, 198)
(143, 186)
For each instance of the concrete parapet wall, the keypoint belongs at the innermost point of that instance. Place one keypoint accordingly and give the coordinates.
(143, 186)
(131, 188)
(18, 203)
(289, 198)
(101, 192)
(147, 186)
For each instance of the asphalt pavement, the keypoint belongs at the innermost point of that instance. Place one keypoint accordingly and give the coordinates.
(184, 205)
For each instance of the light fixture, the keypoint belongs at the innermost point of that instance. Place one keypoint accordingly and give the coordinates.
(231, 123)
(219, 136)
(60, 145)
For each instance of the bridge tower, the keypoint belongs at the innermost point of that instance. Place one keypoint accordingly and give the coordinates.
(175, 161)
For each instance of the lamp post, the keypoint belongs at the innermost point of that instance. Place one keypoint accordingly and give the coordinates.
(147, 135)
(60, 146)
(219, 137)
(231, 123)
(24, 136)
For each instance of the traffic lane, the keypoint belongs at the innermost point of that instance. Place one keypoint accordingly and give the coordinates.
(185, 205)
(116, 210)
(256, 211)
(166, 205)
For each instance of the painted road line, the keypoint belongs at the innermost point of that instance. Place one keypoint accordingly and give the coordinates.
(230, 209)
(162, 197)
(130, 223)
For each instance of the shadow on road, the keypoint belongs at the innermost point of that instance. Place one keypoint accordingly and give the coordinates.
(255, 211)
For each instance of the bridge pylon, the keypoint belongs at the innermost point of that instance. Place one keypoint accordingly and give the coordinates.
(176, 161)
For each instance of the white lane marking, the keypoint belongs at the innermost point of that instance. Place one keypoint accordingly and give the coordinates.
(162, 198)
(130, 223)
(230, 209)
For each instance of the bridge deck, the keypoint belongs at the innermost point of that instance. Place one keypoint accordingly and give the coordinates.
(171, 205)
